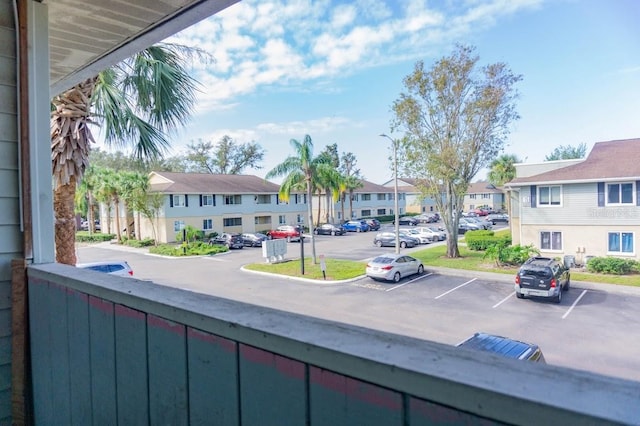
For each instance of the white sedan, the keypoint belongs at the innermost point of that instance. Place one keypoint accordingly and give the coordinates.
(393, 267)
(422, 236)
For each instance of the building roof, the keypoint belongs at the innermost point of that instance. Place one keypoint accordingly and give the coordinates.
(373, 188)
(612, 160)
(483, 188)
(207, 183)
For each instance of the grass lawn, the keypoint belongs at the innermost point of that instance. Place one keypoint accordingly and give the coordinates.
(432, 256)
(336, 269)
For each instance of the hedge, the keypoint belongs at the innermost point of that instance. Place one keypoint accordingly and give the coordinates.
(192, 249)
(483, 239)
(613, 265)
(96, 237)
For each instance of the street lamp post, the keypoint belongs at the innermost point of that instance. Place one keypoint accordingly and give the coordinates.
(395, 190)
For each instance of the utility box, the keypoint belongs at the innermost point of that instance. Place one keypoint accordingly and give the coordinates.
(569, 261)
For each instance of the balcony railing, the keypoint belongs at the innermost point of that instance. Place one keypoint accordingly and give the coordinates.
(108, 350)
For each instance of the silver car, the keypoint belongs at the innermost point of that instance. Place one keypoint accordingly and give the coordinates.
(393, 267)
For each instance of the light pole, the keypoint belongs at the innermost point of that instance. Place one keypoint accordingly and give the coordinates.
(395, 190)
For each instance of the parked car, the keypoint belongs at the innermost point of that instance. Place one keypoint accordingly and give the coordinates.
(433, 235)
(288, 232)
(464, 226)
(542, 277)
(437, 230)
(425, 218)
(421, 236)
(481, 212)
(497, 218)
(232, 241)
(329, 229)
(393, 267)
(482, 224)
(355, 226)
(407, 220)
(374, 224)
(388, 239)
(114, 267)
(503, 346)
(254, 239)
(84, 226)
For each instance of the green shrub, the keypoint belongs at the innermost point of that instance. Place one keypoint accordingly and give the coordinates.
(147, 242)
(505, 254)
(483, 239)
(198, 248)
(612, 265)
(96, 237)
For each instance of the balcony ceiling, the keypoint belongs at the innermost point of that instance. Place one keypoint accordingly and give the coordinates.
(88, 36)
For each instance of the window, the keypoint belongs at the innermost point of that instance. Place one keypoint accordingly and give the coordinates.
(620, 193)
(366, 197)
(472, 196)
(299, 218)
(339, 215)
(207, 224)
(366, 212)
(263, 199)
(262, 220)
(233, 199)
(549, 196)
(390, 196)
(208, 200)
(620, 242)
(178, 225)
(382, 197)
(550, 240)
(232, 221)
(486, 195)
(282, 219)
(354, 197)
(382, 212)
(178, 201)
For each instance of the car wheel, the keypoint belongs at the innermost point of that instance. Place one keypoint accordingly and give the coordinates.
(379, 243)
(558, 298)
(288, 239)
(519, 295)
(396, 277)
(358, 230)
(333, 233)
(403, 244)
(567, 285)
(420, 269)
(316, 232)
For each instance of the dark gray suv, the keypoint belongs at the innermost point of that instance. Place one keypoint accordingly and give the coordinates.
(542, 277)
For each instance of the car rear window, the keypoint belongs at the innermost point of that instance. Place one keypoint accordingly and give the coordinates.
(537, 272)
(382, 259)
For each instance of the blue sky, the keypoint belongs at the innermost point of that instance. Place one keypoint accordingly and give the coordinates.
(332, 69)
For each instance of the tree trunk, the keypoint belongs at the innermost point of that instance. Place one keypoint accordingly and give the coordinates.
(117, 216)
(138, 225)
(90, 216)
(65, 224)
(350, 204)
(342, 204)
(310, 213)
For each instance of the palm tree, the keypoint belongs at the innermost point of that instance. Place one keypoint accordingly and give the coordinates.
(352, 179)
(300, 173)
(501, 171)
(137, 102)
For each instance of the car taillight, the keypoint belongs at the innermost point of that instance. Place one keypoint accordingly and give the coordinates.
(518, 279)
(387, 268)
(553, 282)
(130, 272)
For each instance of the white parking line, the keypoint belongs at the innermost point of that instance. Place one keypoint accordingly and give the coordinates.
(503, 300)
(455, 288)
(574, 304)
(409, 282)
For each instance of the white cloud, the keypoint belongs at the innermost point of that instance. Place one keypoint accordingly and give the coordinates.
(296, 43)
(298, 129)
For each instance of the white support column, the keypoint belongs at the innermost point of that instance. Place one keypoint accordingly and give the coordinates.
(39, 134)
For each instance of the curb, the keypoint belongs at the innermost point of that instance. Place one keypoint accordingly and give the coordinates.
(305, 280)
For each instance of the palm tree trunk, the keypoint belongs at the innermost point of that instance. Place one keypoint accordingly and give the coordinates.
(65, 225)
(350, 204)
(310, 213)
(342, 204)
(90, 216)
(117, 215)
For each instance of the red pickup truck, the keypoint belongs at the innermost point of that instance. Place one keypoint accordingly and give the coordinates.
(290, 233)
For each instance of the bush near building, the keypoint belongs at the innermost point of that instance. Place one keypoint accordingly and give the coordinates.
(483, 239)
(96, 237)
(190, 249)
(613, 266)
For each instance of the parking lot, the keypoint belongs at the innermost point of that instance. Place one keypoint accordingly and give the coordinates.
(594, 328)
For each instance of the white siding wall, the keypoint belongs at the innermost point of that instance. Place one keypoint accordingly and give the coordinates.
(10, 235)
